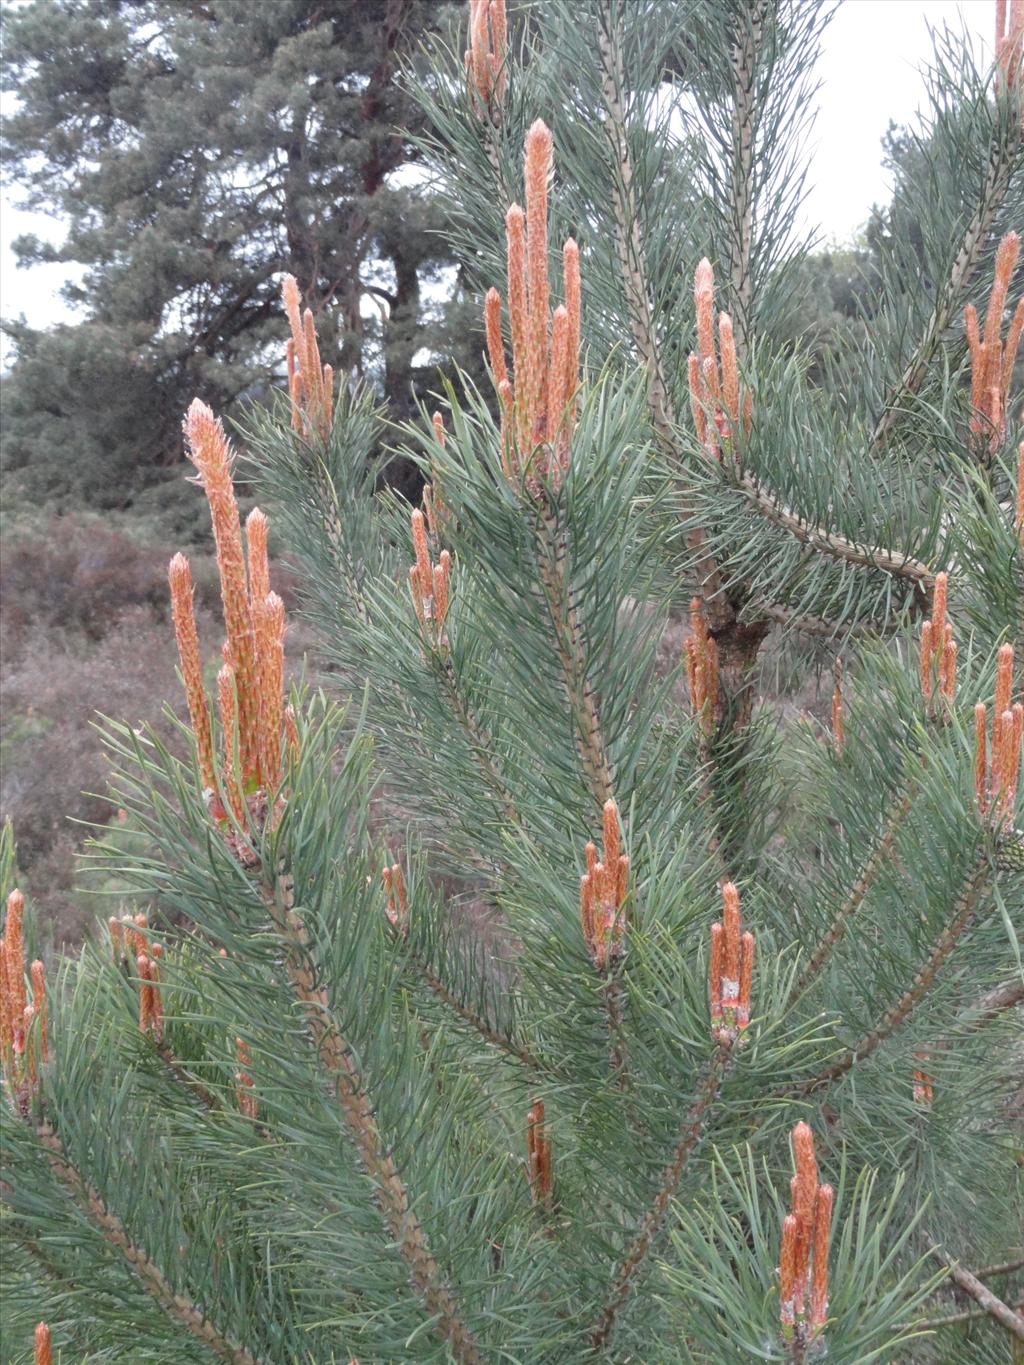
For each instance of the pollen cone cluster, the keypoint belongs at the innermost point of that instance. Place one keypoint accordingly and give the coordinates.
(603, 893)
(538, 398)
(485, 56)
(434, 506)
(142, 957)
(992, 359)
(721, 406)
(997, 759)
(24, 1043)
(702, 669)
(937, 659)
(250, 684)
(429, 583)
(310, 383)
(731, 970)
(538, 1154)
(803, 1258)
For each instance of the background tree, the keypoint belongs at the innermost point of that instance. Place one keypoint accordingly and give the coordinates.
(195, 151)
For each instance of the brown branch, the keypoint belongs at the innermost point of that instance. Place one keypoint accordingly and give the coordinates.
(487, 1031)
(989, 1272)
(814, 625)
(834, 544)
(964, 910)
(853, 902)
(949, 1319)
(986, 1010)
(337, 1058)
(997, 176)
(175, 1303)
(692, 1131)
(185, 1078)
(981, 1294)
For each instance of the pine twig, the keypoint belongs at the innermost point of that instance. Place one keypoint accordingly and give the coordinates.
(853, 902)
(992, 1005)
(479, 741)
(569, 643)
(185, 1078)
(832, 543)
(964, 910)
(949, 1319)
(981, 1294)
(469, 1016)
(337, 1058)
(741, 180)
(633, 268)
(692, 1131)
(176, 1304)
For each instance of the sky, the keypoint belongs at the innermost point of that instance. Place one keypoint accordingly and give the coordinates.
(870, 74)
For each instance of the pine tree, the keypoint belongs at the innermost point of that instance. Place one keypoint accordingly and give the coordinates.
(196, 151)
(525, 994)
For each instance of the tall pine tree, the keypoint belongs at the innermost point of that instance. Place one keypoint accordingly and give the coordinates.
(195, 151)
(536, 991)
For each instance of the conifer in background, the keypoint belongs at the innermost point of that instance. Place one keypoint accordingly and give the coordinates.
(538, 990)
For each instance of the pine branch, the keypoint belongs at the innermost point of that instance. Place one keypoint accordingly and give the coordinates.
(743, 60)
(813, 625)
(469, 1016)
(185, 1078)
(337, 1058)
(177, 1305)
(832, 543)
(633, 267)
(982, 1295)
(479, 741)
(949, 1320)
(693, 1129)
(964, 910)
(854, 900)
(990, 1272)
(614, 997)
(992, 1005)
(1001, 161)
(569, 641)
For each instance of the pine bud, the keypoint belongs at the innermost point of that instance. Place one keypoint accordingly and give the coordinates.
(42, 1345)
(397, 909)
(922, 1088)
(38, 975)
(838, 736)
(180, 577)
(715, 972)
(788, 1272)
(746, 980)
(819, 1282)
(538, 1154)
(244, 1083)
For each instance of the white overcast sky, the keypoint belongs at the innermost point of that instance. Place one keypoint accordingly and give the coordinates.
(870, 73)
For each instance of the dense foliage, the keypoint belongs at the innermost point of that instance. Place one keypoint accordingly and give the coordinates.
(537, 990)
